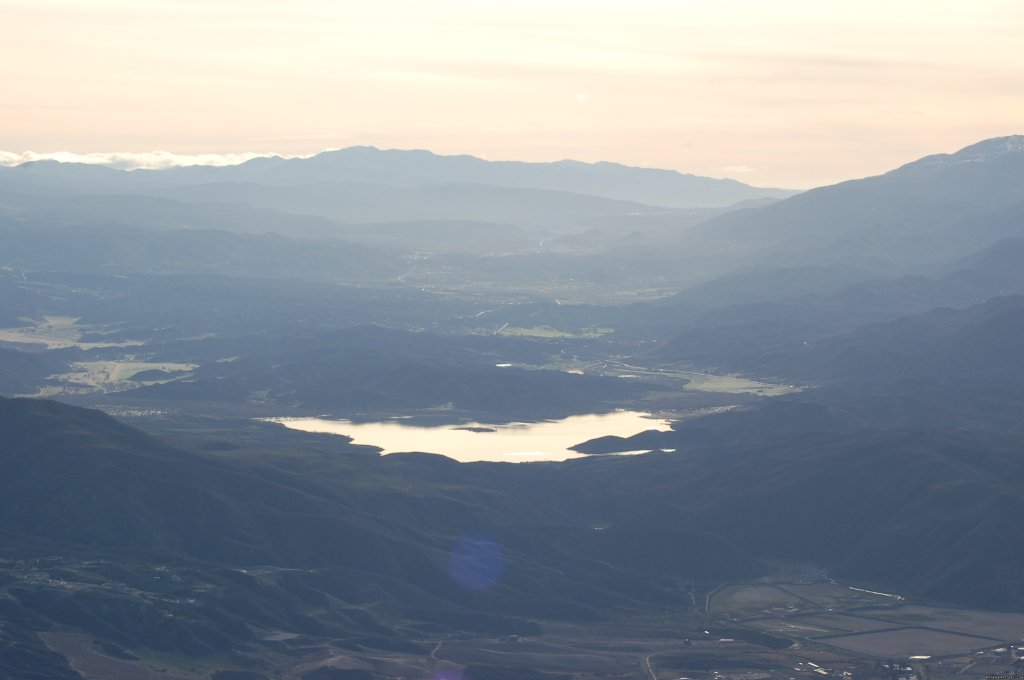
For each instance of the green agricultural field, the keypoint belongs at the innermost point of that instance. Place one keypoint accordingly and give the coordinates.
(794, 627)
(730, 384)
(842, 623)
(77, 648)
(112, 376)
(908, 642)
(59, 332)
(549, 332)
(745, 600)
(999, 625)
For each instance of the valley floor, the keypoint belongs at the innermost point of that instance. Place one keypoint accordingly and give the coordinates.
(797, 624)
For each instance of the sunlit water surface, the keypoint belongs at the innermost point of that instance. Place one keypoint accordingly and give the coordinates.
(511, 443)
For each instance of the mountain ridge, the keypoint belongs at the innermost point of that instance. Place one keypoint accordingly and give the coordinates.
(413, 167)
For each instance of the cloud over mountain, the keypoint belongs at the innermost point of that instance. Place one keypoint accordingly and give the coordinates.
(131, 160)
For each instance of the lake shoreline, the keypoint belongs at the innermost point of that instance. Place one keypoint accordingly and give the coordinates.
(515, 442)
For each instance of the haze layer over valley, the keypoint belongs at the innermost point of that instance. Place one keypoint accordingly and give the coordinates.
(824, 391)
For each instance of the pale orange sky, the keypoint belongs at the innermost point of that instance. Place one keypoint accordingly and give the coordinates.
(792, 93)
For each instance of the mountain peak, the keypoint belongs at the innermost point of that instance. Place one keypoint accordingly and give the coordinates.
(1007, 147)
(417, 167)
(993, 147)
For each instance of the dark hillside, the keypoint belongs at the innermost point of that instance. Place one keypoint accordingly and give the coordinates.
(977, 344)
(22, 372)
(924, 212)
(929, 513)
(270, 546)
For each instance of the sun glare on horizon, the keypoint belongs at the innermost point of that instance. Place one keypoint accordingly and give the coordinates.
(789, 93)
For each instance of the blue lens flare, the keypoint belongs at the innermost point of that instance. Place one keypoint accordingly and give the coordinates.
(476, 562)
(447, 675)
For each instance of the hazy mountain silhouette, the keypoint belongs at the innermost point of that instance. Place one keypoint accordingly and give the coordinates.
(612, 180)
(925, 212)
(410, 168)
(980, 343)
(897, 301)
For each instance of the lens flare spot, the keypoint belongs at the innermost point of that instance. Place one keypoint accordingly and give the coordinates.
(447, 675)
(476, 562)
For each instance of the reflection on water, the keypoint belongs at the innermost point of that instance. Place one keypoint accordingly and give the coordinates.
(468, 442)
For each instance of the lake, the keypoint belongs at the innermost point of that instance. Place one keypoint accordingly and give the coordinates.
(547, 440)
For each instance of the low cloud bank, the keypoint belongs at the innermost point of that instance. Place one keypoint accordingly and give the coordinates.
(128, 160)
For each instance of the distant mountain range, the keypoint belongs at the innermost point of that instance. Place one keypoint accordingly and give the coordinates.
(374, 284)
(407, 169)
(921, 214)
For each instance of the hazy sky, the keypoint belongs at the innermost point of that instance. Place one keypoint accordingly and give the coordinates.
(773, 92)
